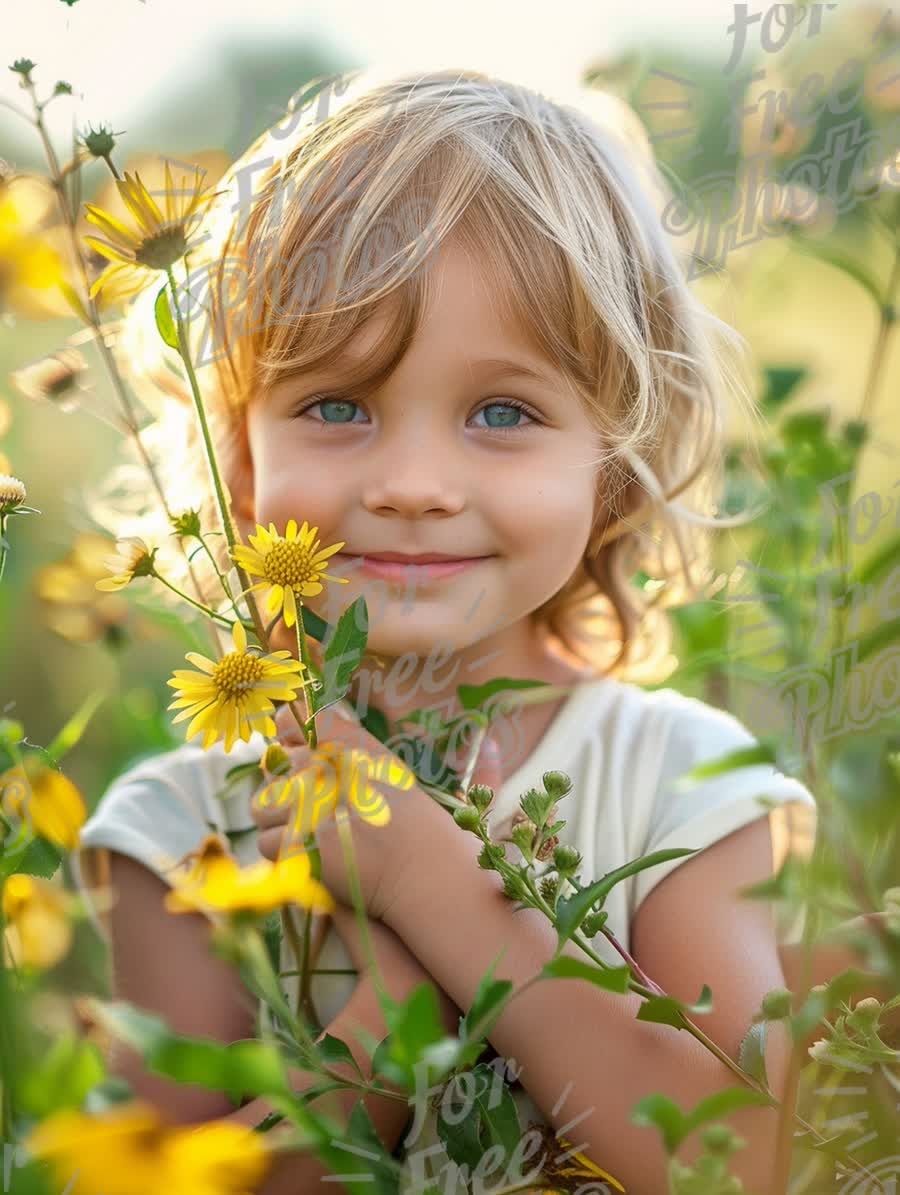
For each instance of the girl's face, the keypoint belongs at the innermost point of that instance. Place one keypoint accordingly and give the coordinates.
(436, 461)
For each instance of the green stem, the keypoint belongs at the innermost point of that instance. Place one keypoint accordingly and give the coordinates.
(888, 319)
(2, 544)
(309, 727)
(198, 605)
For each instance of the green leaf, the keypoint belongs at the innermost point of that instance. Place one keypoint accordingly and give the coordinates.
(781, 381)
(332, 1051)
(61, 1078)
(571, 911)
(40, 858)
(414, 1024)
(744, 757)
(722, 1103)
(752, 1057)
(474, 697)
(613, 979)
(872, 641)
(344, 652)
(664, 1010)
(488, 1003)
(875, 566)
(71, 732)
(165, 321)
(491, 1117)
(665, 1114)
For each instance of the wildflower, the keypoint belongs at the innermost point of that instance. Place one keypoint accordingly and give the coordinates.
(338, 773)
(12, 493)
(291, 565)
(5, 417)
(566, 1165)
(160, 238)
(130, 1149)
(47, 800)
(234, 696)
(134, 559)
(99, 142)
(187, 524)
(28, 261)
(23, 67)
(38, 930)
(215, 883)
(73, 608)
(56, 378)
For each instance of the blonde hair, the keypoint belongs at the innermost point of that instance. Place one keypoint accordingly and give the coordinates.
(327, 214)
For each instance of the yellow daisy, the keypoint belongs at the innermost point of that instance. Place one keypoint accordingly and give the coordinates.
(234, 696)
(569, 1173)
(45, 799)
(215, 883)
(28, 262)
(38, 930)
(161, 238)
(133, 559)
(337, 772)
(291, 564)
(130, 1150)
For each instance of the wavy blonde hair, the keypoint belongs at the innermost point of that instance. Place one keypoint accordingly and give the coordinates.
(343, 204)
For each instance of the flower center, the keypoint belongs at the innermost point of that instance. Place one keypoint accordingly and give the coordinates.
(288, 564)
(163, 249)
(236, 674)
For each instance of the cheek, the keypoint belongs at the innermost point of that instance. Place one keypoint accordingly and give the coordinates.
(291, 485)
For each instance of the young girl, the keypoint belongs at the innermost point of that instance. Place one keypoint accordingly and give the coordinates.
(442, 318)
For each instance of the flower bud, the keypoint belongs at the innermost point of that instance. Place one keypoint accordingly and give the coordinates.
(865, 1014)
(593, 923)
(566, 858)
(467, 818)
(490, 855)
(514, 888)
(480, 796)
(522, 835)
(557, 783)
(100, 142)
(776, 1004)
(720, 1139)
(275, 759)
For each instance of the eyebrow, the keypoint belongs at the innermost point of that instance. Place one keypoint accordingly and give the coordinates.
(513, 368)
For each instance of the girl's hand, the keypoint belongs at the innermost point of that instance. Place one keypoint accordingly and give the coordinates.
(384, 854)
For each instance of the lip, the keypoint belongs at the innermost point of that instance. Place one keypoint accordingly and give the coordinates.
(415, 567)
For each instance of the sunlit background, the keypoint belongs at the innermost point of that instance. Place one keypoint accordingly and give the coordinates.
(198, 81)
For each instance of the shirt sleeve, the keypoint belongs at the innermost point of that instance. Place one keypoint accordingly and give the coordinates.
(691, 732)
(155, 812)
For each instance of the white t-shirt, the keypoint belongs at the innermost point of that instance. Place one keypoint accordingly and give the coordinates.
(622, 746)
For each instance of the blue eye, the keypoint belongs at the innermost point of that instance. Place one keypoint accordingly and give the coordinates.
(343, 409)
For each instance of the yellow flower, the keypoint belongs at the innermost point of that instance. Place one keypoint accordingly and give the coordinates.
(130, 1150)
(133, 559)
(234, 697)
(73, 607)
(335, 773)
(36, 912)
(28, 263)
(215, 883)
(291, 565)
(45, 799)
(161, 237)
(572, 1167)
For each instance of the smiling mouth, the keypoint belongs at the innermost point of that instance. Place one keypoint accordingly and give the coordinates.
(402, 569)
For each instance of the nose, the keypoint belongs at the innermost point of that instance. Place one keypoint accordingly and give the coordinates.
(411, 476)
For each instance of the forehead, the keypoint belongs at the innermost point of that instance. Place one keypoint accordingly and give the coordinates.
(467, 318)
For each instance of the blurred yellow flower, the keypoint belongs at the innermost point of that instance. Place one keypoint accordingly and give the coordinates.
(213, 882)
(38, 930)
(5, 421)
(234, 696)
(160, 237)
(73, 607)
(336, 772)
(133, 559)
(130, 1150)
(57, 378)
(28, 263)
(46, 800)
(291, 565)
